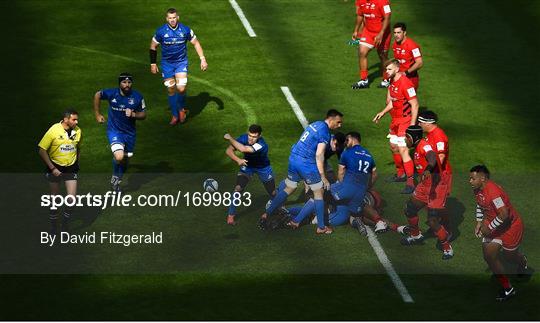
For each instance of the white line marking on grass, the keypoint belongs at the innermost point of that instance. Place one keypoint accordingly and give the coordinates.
(294, 105)
(243, 18)
(372, 237)
(251, 118)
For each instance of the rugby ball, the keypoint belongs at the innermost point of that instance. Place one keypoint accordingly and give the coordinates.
(210, 185)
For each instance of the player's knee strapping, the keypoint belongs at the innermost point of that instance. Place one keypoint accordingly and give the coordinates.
(181, 81)
(290, 183)
(411, 209)
(316, 186)
(169, 83)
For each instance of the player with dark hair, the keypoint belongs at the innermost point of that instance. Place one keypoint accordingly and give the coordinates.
(336, 146)
(431, 192)
(500, 227)
(306, 162)
(402, 104)
(254, 161)
(173, 37)
(355, 174)
(60, 150)
(407, 52)
(125, 107)
(372, 29)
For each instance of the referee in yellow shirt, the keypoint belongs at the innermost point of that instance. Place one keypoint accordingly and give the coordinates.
(59, 149)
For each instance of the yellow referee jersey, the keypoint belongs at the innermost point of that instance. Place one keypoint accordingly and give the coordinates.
(61, 146)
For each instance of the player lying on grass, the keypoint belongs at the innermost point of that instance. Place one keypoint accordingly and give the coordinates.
(306, 163)
(255, 161)
(500, 227)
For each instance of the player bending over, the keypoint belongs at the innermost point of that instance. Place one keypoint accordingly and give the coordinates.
(255, 161)
(306, 162)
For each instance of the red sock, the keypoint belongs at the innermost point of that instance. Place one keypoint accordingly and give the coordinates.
(399, 164)
(376, 218)
(504, 281)
(409, 170)
(393, 227)
(442, 235)
(363, 75)
(413, 222)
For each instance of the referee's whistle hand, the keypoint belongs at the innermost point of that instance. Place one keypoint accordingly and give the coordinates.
(100, 118)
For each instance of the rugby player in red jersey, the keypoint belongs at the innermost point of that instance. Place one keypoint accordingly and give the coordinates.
(500, 227)
(372, 29)
(431, 192)
(402, 104)
(407, 52)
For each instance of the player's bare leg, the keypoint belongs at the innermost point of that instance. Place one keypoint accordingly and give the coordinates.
(383, 56)
(53, 214)
(370, 214)
(363, 52)
(170, 83)
(491, 256)
(181, 85)
(516, 257)
(71, 190)
(399, 176)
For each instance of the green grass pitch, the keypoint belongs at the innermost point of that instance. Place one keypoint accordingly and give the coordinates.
(480, 76)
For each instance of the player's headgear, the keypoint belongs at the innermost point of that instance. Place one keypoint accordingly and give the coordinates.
(428, 116)
(415, 132)
(125, 76)
(480, 169)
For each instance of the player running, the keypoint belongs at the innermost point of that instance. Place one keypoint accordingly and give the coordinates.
(407, 52)
(500, 227)
(306, 162)
(60, 149)
(372, 29)
(125, 107)
(254, 161)
(402, 103)
(356, 173)
(431, 192)
(173, 37)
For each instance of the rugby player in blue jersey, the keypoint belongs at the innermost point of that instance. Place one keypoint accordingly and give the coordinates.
(306, 162)
(356, 173)
(255, 161)
(125, 107)
(173, 37)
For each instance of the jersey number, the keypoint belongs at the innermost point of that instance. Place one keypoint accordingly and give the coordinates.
(363, 166)
(304, 136)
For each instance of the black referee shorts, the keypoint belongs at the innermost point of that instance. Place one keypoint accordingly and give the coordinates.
(69, 173)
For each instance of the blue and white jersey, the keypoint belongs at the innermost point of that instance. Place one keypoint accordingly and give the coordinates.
(358, 164)
(258, 158)
(314, 134)
(118, 103)
(173, 42)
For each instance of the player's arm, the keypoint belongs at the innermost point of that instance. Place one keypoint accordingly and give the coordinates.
(140, 115)
(44, 145)
(386, 109)
(358, 25)
(385, 25)
(97, 102)
(200, 52)
(414, 110)
(341, 172)
(230, 152)
(373, 177)
(418, 63)
(479, 218)
(319, 159)
(246, 149)
(153, 55)
(502, 216)
(431, 158)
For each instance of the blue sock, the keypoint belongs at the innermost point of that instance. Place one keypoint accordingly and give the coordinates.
(319, 210)
(308, 209)
(173, 104)
(293, 211)
(116, 168)
(181, 101)
(232, 209)
(341, 216)
(278, 201)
